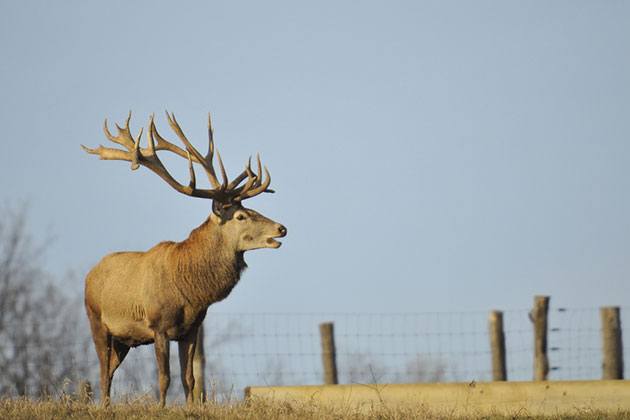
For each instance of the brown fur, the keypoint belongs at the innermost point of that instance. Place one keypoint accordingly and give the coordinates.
(135, 298)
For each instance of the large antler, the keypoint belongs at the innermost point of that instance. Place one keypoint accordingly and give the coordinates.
(223, 192)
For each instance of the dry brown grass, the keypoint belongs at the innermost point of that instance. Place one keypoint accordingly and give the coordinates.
(145, 408)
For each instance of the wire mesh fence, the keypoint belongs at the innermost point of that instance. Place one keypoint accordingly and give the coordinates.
(422, 347)
(285, 349)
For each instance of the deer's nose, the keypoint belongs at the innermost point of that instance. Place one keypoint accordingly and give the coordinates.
(282, 230)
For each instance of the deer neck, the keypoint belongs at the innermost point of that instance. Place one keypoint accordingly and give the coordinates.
(209, 265)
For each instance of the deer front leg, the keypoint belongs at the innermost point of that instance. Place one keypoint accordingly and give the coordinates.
(104, 353)
(186, 356)
(162, 354)
(102, 342)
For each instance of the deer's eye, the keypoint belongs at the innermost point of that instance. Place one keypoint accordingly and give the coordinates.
(240, 217)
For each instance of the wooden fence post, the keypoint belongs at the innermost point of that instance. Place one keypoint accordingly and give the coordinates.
(612, 348)
(497, 346)
(326, 331)
(199, 368)
(539, 318)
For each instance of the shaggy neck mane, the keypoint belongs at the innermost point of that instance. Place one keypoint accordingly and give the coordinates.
(208, 267)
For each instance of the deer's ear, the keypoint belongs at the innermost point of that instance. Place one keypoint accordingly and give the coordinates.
(223, 211)
(217, 208)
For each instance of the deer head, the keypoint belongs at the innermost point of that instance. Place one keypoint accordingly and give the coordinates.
(246, 228)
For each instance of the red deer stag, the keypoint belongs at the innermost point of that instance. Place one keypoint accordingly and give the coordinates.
(135, 298)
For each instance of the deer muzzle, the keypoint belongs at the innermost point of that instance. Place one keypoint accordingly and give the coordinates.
(282, 232)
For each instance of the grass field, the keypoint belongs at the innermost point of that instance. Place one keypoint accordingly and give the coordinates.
(145, 408)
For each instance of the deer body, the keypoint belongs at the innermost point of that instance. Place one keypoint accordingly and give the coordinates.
(135, 292)
(136, 298)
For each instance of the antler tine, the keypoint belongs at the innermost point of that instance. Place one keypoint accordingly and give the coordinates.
(193, 179)
(260, 188)
(124, 137)
(245, 174)
(259, 175)
(223, 172)
(210, 153)
(107, 153)
(108, 134)
(127, 121)
(163, 144)
(172, 121)
(206, 165)
(136, 156)
(256, 184)
(150, 135)
(251, 179)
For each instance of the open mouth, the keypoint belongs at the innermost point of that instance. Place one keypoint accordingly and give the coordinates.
(273, 243)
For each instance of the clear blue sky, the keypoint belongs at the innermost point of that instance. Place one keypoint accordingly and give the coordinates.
(427, 156)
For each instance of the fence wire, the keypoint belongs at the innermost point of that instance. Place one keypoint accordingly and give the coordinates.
(285, 349)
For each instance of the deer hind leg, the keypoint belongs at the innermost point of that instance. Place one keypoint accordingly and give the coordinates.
(116, 357)
(102, 342)
(186, 356)
(162, 354)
